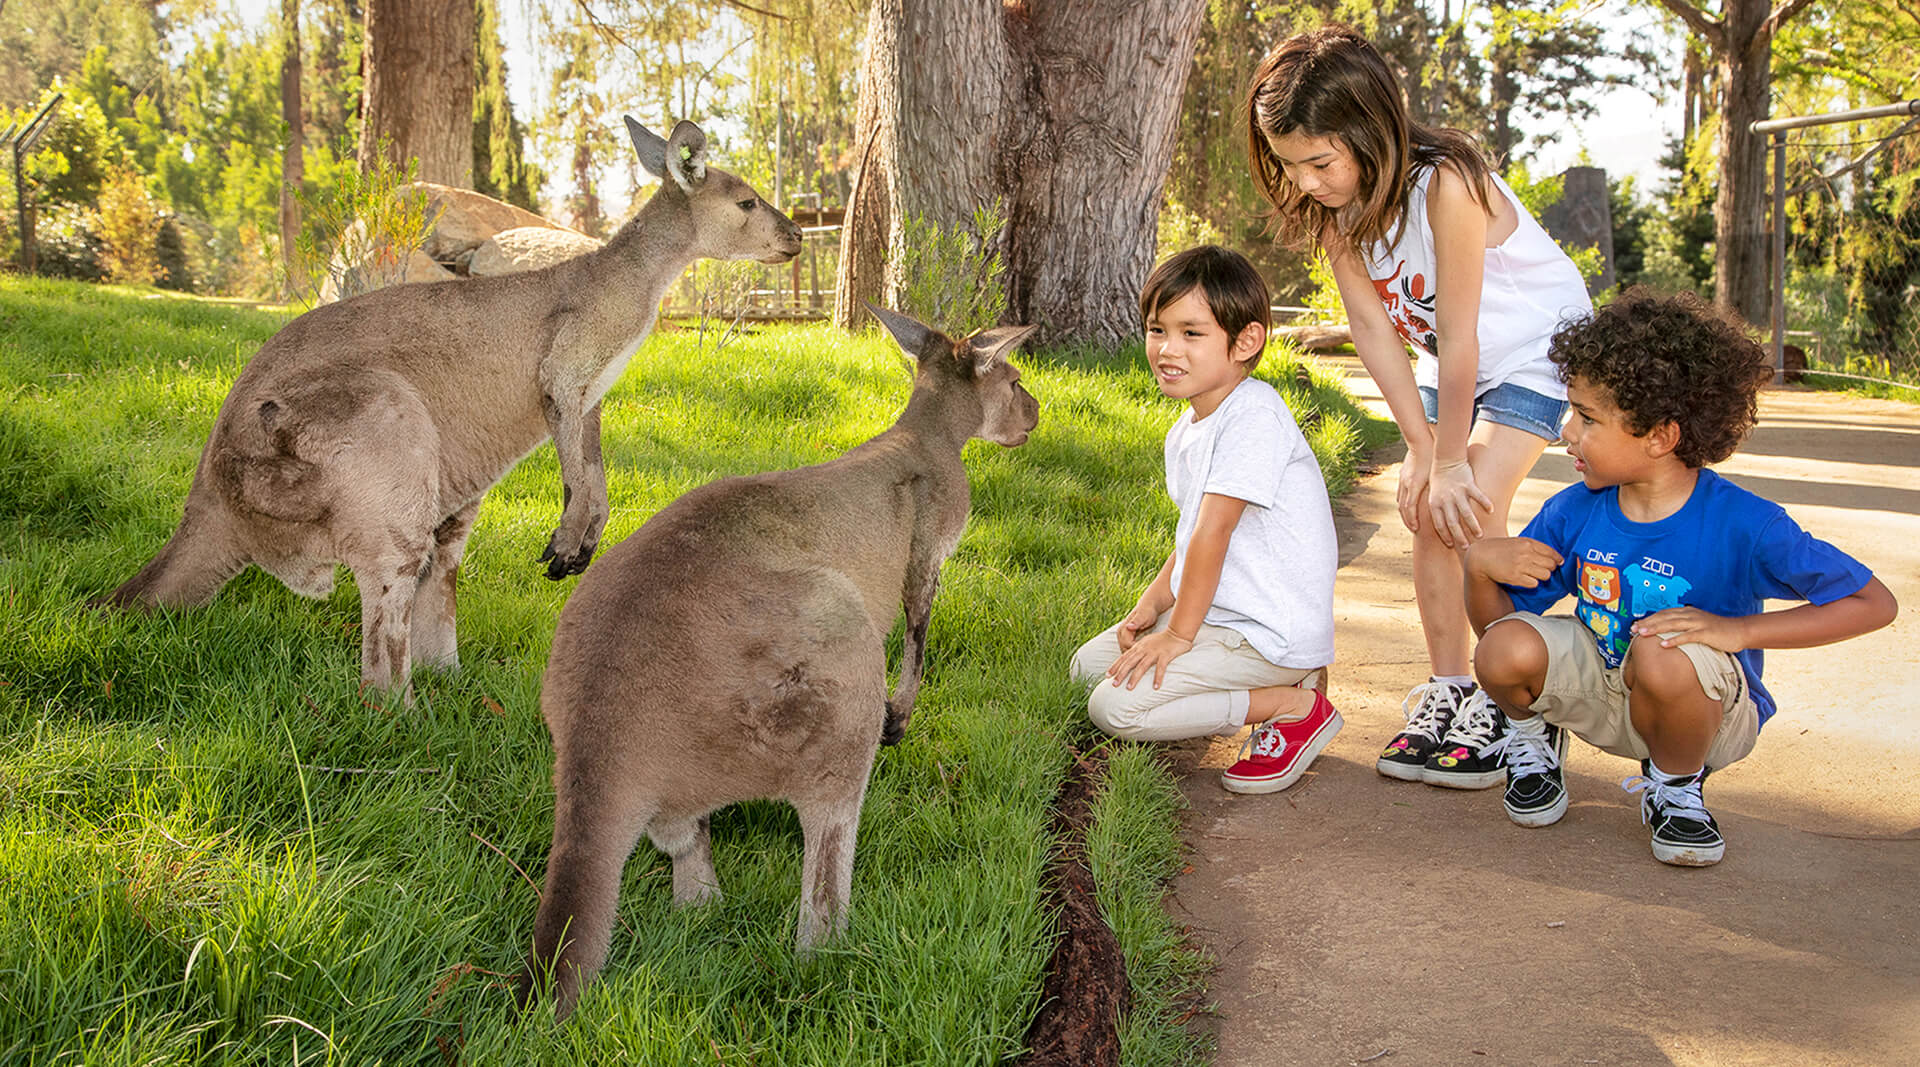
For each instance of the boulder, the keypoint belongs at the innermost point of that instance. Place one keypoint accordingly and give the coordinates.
(528, 248)
(462, 219)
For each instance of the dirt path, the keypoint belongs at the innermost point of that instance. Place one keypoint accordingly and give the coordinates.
(1359, 919)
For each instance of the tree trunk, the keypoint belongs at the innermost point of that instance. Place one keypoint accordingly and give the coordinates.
(1740, 209)
(1063, 110)
(861, 274)
(293, 169)
(419, 87)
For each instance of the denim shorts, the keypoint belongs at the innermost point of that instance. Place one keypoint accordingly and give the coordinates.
(1509, 405)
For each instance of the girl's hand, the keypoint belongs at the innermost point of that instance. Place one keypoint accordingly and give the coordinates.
(1691, 626)
(1140, 618)
(1517, 561)
(1150, 653)
(1414, 471)
(1451, 494)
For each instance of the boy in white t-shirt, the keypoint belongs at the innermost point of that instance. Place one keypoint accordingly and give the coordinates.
(1241, 614)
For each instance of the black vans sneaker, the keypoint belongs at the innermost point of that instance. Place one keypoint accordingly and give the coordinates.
(1536, 794)
(1473, 754)
(1429, 708)
(1684, 833)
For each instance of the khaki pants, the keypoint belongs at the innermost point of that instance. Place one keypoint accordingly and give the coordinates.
(1583, 695)
(1204, 692)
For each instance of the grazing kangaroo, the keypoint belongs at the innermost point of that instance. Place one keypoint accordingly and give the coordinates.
(734, 648)
(366, 432)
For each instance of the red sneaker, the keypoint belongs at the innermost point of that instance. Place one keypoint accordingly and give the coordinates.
(1278, 753)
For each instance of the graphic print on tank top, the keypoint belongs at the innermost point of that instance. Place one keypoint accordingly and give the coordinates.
(1409, 302)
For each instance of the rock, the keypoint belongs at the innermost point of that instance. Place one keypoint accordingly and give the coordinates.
(344, 279)
(1583, 218)
(462, 219)
(528, 248)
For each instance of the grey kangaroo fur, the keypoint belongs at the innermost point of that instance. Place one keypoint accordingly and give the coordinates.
(366, 432)
(734, 648)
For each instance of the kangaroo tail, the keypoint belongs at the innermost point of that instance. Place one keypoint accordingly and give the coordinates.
(196, 562)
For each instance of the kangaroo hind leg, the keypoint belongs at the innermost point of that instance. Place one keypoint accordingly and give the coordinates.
(826, 868)
(434, 640)
(685, 841)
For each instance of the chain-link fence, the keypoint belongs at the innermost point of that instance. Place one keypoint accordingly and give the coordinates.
(1847, 253)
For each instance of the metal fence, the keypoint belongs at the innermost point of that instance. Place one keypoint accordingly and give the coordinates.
(1846, 242)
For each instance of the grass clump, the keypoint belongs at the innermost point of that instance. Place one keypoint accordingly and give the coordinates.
(214, 850)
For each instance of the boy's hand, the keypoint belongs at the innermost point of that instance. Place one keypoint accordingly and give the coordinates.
(1451, 496)
(1516, 561)
(1691, 626)
(1152, 652)
(1140, 618)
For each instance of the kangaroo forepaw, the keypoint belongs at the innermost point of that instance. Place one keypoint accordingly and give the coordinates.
(895, 727)
(559, 564)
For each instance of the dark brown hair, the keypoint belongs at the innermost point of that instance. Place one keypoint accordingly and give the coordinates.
(1671, 359)
(1234, 291)
(1332, 83)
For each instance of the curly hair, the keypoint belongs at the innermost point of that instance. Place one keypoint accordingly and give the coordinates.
(1671, 359)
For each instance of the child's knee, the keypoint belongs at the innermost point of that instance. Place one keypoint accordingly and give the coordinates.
(1511, 652)
(1109, 708)
(1089, 664)
(1665, 674)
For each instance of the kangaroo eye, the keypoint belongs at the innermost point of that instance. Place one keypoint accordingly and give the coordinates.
(746, 205)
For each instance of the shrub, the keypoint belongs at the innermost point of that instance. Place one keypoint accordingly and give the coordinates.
(129, 228)
(950, 278)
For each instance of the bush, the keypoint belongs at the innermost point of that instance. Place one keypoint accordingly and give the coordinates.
(950, 279)
(66, 245)
(129, 228)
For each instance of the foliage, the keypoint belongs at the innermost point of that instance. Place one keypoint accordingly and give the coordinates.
(129, 228)
(950, 277)
(66, 244)
(361, 229)
(1179, 229)
(500, 167)
(44, 41)
(213, 847)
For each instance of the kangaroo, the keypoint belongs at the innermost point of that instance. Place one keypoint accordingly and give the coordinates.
(734, 648)
(366, 432)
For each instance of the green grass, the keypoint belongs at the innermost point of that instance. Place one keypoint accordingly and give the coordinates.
(213, 850)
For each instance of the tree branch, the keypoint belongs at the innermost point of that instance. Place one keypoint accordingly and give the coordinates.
(1714, 30)
(1781, 15)
(1822, 178)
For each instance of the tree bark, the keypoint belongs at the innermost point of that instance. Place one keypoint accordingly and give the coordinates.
(1065, 110)
(293, 169)
(861, 273)
(419, 87)
(1740, 45)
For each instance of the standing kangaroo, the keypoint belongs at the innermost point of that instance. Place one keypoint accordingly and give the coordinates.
(734, 648)
(366, 432)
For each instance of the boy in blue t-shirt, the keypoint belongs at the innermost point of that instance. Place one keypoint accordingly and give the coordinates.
(1668, 565)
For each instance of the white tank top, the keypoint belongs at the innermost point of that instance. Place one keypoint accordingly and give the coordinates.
(1529, 288)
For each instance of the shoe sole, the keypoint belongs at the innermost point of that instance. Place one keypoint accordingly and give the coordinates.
(1546, 816)
(1689, 855)
(1458, 780)
(1406, 772)
(1315, 746)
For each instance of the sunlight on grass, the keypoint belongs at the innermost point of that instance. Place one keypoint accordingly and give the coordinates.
(215, 850)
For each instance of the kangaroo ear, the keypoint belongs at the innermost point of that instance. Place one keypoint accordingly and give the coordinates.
(991, 346)
(687, 155)
(907, 332)
(651, 149)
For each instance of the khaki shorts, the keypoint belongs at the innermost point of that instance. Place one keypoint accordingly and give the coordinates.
(1583, 695)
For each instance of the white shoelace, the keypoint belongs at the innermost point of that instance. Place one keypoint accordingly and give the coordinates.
(1427, 704)
(1265, 741)
(1679, 797)
(1529, 751)
(1476, 724)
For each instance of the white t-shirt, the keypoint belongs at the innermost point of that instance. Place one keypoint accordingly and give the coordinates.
(1276, 586)
(1529, 287)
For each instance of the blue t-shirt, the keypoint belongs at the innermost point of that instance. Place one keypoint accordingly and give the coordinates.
(1725, 551)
